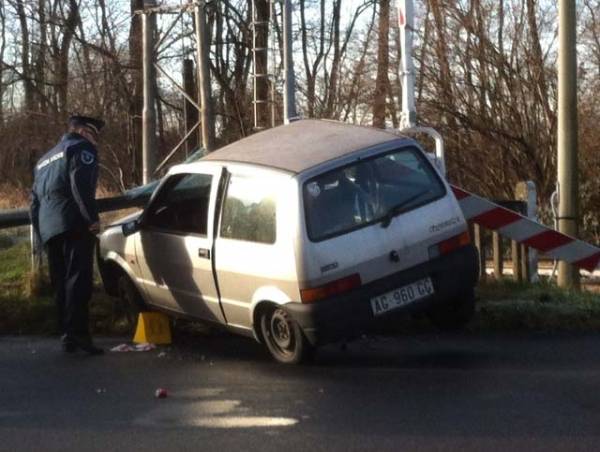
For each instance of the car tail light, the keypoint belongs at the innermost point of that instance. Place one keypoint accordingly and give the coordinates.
(449, 245)
(336, 287)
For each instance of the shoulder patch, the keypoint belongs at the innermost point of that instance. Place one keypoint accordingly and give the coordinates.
(87, 158)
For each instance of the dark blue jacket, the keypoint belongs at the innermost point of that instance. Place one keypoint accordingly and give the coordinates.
(64, 188)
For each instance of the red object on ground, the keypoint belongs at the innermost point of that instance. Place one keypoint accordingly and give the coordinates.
(160, 393)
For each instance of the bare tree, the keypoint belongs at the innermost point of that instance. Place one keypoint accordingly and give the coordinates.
(382, 82)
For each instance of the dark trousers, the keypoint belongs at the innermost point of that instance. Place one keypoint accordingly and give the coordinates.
(71, 263)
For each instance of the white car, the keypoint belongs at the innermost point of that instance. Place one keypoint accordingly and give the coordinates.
(298, 236)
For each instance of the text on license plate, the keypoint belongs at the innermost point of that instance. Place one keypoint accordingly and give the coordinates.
(402, 296)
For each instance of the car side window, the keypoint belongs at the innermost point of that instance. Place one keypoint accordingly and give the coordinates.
(182, 205)
(249, 210)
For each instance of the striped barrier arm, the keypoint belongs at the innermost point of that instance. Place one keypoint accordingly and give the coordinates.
(528, 232)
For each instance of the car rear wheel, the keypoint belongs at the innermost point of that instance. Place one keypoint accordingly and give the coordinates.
(128, 305)
(283, 337)
(454, 314)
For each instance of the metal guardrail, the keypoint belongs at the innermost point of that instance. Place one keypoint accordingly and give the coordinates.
(20, 217)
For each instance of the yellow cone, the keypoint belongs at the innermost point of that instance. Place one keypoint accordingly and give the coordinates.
(152, 327)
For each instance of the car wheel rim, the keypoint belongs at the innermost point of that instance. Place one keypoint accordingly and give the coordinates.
(281, 332)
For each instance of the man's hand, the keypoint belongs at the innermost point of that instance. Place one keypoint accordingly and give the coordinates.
(95, 227)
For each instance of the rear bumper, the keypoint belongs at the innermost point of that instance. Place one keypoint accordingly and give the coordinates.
(350, 314)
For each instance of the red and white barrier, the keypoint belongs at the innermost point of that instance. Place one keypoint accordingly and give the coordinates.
(528, 232)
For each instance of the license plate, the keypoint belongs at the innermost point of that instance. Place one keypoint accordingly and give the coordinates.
(401, 296)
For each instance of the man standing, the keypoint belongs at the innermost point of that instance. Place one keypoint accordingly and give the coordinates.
(65, 218)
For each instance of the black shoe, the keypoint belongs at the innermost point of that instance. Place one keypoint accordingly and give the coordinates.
(67, 344)
(85, 344)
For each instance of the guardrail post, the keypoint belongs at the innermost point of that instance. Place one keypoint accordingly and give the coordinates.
(36, 278)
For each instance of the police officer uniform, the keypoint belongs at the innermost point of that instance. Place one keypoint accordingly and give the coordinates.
(63, 207)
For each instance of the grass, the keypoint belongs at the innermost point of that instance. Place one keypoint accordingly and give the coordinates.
(502, 305)
(22, 312)
(508, 305)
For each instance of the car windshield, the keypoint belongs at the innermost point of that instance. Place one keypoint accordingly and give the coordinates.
(369, 191)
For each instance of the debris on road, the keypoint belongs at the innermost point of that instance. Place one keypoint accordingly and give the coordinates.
(144, 347)
(160, 393)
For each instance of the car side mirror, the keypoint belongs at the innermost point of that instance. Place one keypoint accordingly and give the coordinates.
(131, 227)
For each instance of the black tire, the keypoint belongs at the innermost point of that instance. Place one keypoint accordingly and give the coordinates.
(283, 337)
(455, 314)
(128, 305)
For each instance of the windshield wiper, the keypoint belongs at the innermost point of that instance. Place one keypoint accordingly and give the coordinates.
(398, 209)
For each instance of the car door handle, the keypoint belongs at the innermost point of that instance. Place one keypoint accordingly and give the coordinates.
(204, 253)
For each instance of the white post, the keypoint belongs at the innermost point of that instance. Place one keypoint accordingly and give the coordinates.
(408, 119)
(406, 20)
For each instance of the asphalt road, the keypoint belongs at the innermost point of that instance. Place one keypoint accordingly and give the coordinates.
(424, 392)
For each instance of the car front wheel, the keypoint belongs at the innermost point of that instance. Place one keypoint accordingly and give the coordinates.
(128, 304)
(283, 337)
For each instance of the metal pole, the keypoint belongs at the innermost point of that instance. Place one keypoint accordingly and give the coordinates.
(568, 276)
(206, 114)
(406, 18)
(148, 115)
(189, 110)
(289, 113)
(273, 69)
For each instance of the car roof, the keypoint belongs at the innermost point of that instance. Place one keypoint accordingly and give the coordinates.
(302, 144)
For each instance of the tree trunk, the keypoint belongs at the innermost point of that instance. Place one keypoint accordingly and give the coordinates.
(383, 62)
(261, 68)
(25, 57)
(62, 84)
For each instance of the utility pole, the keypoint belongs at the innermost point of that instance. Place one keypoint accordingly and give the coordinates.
(148, 114)
(206, 114)
(568, 190)
(190, 112)
(289, 108)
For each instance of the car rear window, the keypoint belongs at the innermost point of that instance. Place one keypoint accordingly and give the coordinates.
(364, 193)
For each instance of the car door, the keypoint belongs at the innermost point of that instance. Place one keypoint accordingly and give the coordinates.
(250, 255)
(174, 249)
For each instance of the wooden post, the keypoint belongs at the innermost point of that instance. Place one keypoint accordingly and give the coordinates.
(478, 234)
(498, 252)
(516, 261)
(189, 111)
(525, 275)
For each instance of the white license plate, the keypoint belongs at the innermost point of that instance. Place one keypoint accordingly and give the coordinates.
(401, 296)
